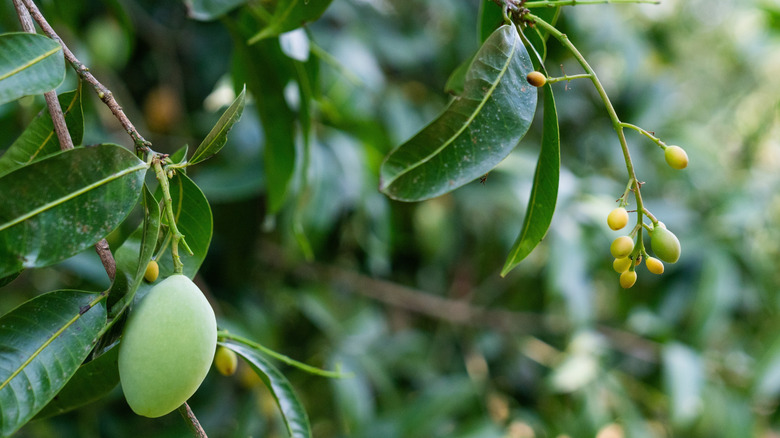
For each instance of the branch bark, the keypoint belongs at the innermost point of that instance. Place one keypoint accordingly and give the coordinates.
(192, 421)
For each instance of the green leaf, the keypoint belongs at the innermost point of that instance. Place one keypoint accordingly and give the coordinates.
(537, 37)
(92, 381)
(43, 343)
(491, 17)
(457, 80)
(29, 64)
(217, 137)
(289, 15)
(57, 207)
(180, 156)
(193, 217)
(293, 412)
(478, 130)
(207, 10)
(544, 193)
(39, 140)
(134, 255)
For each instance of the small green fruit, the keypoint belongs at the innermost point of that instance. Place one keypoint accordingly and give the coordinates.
(627, 279)
(152, 271)
(665, 244)
(225, 361)
(621, 247)
(621, 265)
(617, 219)
(654, 265)
(676, 157)
(536, 79)
(167, 347)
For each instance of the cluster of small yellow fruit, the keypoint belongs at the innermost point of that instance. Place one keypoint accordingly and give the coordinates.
(663, 242)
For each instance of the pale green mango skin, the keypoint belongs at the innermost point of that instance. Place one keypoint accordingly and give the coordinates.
(665, 245)
(167, 347)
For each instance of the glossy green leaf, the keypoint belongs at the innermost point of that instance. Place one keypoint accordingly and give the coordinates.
(544, 193)
(57, 207)
(134, 255)
(43, 343)
(207, 10)
(29, 64)
(457, 80)
(491, 17)
(180, 156)
(537, 37)
(292, 410)
(277, 118)
(39, 140)
(217, 137)
(289, 15)
(478, 130)
(91, 382)
(193, 217)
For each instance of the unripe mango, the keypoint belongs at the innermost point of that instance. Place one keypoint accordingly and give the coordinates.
(225, 361)
(627, 279)
(621, 247)
(167, 347)
(676, 157)
(665, 244)
(621, 265)
(654, 265)
(618, 218)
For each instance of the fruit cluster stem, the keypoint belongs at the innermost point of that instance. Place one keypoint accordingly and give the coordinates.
(178, 266)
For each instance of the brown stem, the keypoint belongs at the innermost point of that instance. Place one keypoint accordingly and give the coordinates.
(141, 144)
(192, 421)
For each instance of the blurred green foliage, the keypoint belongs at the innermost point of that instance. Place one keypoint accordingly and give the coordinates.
(408, 297)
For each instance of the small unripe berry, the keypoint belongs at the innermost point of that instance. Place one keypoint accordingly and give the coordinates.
(618, 218)
(665, 244)
(225, 361)
(621, 247)
(627, 279)
(654, 265)
(536, 79)
(152, 271)
(621, 265)
(676, 157)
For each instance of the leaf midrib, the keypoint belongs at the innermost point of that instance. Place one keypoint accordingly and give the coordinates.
(32, 62)
(72, 195)
(468, 121)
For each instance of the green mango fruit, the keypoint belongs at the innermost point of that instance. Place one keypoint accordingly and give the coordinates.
(665, 244)
(167, 347)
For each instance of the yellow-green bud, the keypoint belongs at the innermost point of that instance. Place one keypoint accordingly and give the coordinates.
(225, 361)
(676, 157)
(618, 218)
(536, 79)
(152, 271)
(621, 265)
(621, 247)
(627, 279)
(654, 265)
(665, 244)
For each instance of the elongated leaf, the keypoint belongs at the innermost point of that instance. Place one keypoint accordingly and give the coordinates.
(193, 218)
(42, 344)
(217, 137)
(537, 37)
(134, 255)
(29, 64)
(57, 207)
(293, 412)
(207, 10)
(456, 83)
(478, 130)
(289, 15)
(544, 193)
(39, 140)
(92, 381)
(490, 18)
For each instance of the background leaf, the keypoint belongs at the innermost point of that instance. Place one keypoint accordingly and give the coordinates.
(292, 409)
(39, 139)
(289, 15)
(43, 343)
(544, 193)
(217, 137)
(465, 141)
(207, 10)
(57, 207)
(490, 18)
(29, 64)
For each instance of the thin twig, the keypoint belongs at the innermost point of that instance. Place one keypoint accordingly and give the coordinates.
(66, 142)
(192, 420)
(142, 146)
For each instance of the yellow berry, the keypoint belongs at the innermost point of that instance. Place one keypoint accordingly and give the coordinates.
(621, 247)
(676, 157)
(167, 347)
(654, 265)
(621, 265)
(152, 271)
(618, 218)
(627, 279)
(536, 79)
(665, 244)
(225, 361)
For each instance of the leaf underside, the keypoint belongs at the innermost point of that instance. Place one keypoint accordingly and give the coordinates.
(475, 133)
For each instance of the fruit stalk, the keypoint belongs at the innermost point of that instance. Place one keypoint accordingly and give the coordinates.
(178, 266)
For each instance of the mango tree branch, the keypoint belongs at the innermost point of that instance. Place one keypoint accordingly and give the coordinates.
(192, 420)
(142, 146)
(66, 142)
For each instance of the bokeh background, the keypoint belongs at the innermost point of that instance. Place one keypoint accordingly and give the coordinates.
(408, 297)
